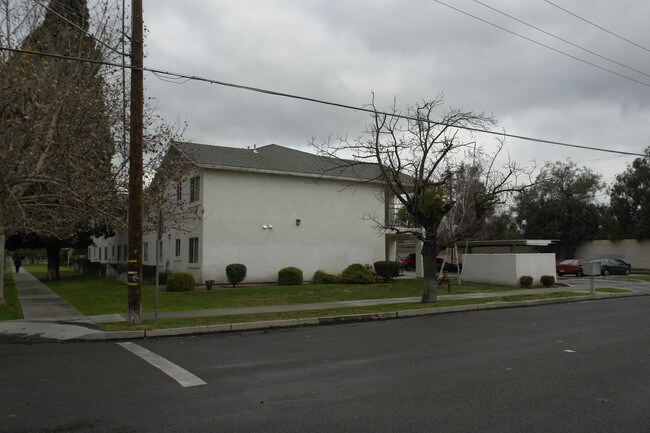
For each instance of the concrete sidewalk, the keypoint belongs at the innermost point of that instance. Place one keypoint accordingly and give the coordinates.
(45, 314)
(48, 316)
(107, 318)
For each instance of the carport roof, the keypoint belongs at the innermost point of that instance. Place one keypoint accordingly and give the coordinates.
(513, 242)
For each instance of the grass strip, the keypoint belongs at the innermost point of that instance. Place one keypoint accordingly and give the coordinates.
(632, 278)
(218, 320)
(611, 290)
(93, 295)
(11, 309)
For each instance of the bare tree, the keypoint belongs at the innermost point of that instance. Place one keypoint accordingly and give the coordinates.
(441, 182)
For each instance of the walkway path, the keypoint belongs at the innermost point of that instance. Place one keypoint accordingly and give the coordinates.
(328, 305)
(45, 313)
(41, 303)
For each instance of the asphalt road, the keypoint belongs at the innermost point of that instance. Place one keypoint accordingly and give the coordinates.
(580, 367)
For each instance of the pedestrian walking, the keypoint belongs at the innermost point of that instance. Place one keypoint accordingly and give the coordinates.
(17, 263)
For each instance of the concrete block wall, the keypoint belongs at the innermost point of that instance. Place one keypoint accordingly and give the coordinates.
(632, 251)
(507, 268)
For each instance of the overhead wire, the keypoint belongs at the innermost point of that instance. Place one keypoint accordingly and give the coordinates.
(318, 101)
(542, 44)
(597, 26)
(561, 39)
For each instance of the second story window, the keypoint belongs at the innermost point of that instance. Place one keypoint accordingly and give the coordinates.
(195, 188)
(179, 192)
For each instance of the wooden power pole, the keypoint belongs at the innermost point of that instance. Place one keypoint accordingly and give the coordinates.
(135, 167)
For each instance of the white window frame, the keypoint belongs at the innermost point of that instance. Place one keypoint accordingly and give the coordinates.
(195, 188)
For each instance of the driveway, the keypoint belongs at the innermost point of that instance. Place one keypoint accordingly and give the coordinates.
(611, 281)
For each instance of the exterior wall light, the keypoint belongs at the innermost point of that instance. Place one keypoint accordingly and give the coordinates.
(298, 222)
(264, 227)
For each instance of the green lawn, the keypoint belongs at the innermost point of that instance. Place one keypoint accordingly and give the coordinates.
(635, 277)
(217, 320)
(611, 290)
(93, 295)
(11, 309)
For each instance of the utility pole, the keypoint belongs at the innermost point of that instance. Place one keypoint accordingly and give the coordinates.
(135, 168)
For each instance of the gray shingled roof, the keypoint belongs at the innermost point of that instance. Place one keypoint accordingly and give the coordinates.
(277, 159)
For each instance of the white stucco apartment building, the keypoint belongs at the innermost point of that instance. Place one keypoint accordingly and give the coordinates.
(267, 208)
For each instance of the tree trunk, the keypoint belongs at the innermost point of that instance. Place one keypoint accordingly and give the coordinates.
(53, 259)
(429, 252)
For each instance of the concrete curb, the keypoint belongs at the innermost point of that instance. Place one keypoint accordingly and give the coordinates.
(333, 320)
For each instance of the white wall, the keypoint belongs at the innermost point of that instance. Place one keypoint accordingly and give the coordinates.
(111, 246)
(632, 251)
(332, 233)
(507, 268)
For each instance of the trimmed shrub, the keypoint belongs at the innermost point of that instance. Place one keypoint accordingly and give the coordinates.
(180, 282)
(525, 281)
(357, 273)
(322, 277)
(386, 269)
(290, 276)
(547, 280)
(235, 272)
(163, 277)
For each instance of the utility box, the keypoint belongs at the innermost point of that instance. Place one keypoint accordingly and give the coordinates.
(591, 268)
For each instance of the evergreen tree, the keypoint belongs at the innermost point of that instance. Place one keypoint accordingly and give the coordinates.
(630, 201)
(561, 205)
(55, 132)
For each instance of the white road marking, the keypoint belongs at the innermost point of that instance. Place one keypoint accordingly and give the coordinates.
(180, 375)
(569, 351)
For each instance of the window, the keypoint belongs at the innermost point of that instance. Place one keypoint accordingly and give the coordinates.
(160, 252)
(195, 188)
(106, 253)
(145, 252)
(178, 248)
(179, 192)
(194, 250)
(100, 254)
(112, 251)
(119, 252)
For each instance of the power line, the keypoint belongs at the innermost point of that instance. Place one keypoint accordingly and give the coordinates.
(562, 39)
(596, 25)
(543, 45)
(317, 101)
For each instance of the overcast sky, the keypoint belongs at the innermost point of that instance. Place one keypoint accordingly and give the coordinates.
(342, 51)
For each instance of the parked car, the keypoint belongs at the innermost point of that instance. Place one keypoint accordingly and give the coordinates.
(408, 264)
(613, 266)
(570, 266)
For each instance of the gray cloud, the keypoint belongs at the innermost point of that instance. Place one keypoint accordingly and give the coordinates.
(343, 51)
